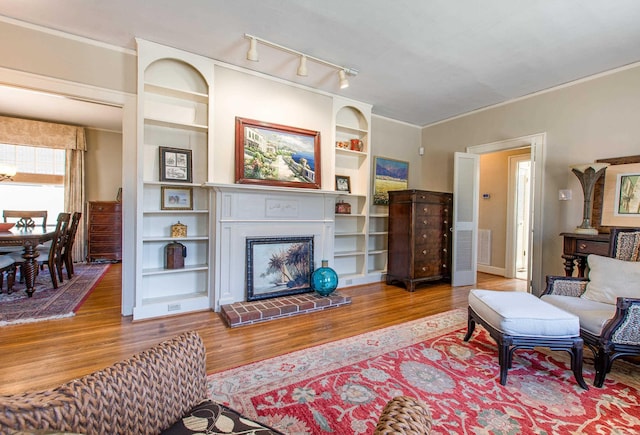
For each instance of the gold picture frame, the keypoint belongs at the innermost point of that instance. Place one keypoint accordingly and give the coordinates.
(176, 198)
(616, 180)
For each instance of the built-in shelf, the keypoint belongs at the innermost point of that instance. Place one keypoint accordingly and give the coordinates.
(174, 111)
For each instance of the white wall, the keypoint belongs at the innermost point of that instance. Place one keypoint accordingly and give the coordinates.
(249, 96)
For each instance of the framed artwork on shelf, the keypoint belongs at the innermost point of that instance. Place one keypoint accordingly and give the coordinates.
(343, 183)
(176, 198)
(621, 202)
(389, 174)
(175, 165)
(278, 266)
(277, 155)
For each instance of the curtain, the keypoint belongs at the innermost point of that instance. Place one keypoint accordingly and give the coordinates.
(26, 132)
(74, 194)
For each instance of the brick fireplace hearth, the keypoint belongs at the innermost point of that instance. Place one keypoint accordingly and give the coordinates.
(247, 313)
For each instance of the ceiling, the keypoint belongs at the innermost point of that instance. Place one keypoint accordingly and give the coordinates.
(419, 61)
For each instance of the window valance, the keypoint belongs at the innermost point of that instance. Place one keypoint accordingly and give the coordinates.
(17, 131)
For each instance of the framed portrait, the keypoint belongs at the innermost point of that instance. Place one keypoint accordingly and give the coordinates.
(175, 165)
(278, 266)
(389, 174)
(343, 183)
(176, 198)
(277, 155)
(621, 202)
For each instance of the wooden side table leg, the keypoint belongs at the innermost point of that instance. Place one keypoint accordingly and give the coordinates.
(568, 264)
(582, 266)
(30, 267)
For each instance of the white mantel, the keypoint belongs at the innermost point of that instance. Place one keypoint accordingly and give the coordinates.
(243, 210)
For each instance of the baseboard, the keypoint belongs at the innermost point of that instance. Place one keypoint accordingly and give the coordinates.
(500, 271)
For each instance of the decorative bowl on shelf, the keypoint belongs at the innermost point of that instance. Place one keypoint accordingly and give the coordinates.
(6, 226)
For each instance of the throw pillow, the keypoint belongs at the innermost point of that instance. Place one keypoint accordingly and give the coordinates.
(610, 278)
(628, 246)
(212, 417)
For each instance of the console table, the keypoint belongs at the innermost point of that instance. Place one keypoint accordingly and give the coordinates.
(576, 247)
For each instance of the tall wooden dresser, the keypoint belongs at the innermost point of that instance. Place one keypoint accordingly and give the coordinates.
(104, 231)
(419, 237)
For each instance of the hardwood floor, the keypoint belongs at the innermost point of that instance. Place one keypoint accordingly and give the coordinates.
(40, 355)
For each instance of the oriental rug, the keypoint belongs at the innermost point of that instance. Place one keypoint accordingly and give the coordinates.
(341, 387)
(47, 302)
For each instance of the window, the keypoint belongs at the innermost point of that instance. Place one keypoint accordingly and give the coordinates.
(39, 182)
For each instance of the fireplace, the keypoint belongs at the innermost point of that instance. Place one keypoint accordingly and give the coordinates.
(245, 213)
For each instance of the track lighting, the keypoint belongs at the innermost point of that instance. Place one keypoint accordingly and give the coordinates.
(344, 83)
(302, 68)
(302, 71)
(252, 54)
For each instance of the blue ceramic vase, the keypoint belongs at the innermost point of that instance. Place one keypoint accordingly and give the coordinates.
(324, 280)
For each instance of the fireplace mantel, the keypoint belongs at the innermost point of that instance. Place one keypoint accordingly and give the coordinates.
(243, 210)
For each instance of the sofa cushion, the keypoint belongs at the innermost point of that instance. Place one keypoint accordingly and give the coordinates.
(593, 315)
(212, 417)
(610, 278)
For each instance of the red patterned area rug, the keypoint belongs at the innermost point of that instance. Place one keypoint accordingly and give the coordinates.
(341, 387)
(47, 302)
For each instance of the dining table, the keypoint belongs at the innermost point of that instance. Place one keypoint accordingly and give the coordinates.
(29, 238)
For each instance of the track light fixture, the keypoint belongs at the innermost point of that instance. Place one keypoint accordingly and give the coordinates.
(252, 55)
(302, 68)
(344, 83)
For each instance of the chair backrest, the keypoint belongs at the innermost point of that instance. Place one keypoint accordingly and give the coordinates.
(62, 227)
(26, 217)
(625, 244)
(71, 233)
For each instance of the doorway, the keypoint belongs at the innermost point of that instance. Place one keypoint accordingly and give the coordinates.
(518, 209)
(536, 143)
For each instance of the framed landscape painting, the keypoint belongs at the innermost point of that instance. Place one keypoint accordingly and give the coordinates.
(389, 174)
(621, 205)
(278, 266)
(277, 155)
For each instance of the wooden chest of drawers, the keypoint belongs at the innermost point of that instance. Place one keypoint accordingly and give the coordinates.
(104, 231)
(419, 237)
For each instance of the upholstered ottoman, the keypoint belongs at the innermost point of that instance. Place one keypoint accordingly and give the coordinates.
(517, 320)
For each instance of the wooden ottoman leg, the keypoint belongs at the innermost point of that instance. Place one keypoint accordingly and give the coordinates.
(471, 326)
(504, 358)
(576, 362)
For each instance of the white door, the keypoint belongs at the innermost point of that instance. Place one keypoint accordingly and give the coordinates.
(466, 181)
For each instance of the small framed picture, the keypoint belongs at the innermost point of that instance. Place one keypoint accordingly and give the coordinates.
(343, 183)
(176, 198)
(175, 164)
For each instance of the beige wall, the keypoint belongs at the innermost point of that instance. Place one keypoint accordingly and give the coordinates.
(492, 212)
(66, 58)
(590, 120)
(103, 165)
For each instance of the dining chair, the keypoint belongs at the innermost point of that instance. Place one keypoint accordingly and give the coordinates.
(50, 257)
(25, 218)
(66, 255)
(8, 266)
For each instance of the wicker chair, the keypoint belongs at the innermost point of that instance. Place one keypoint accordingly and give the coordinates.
(608, 327)
(142, 395)
(404, 415)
